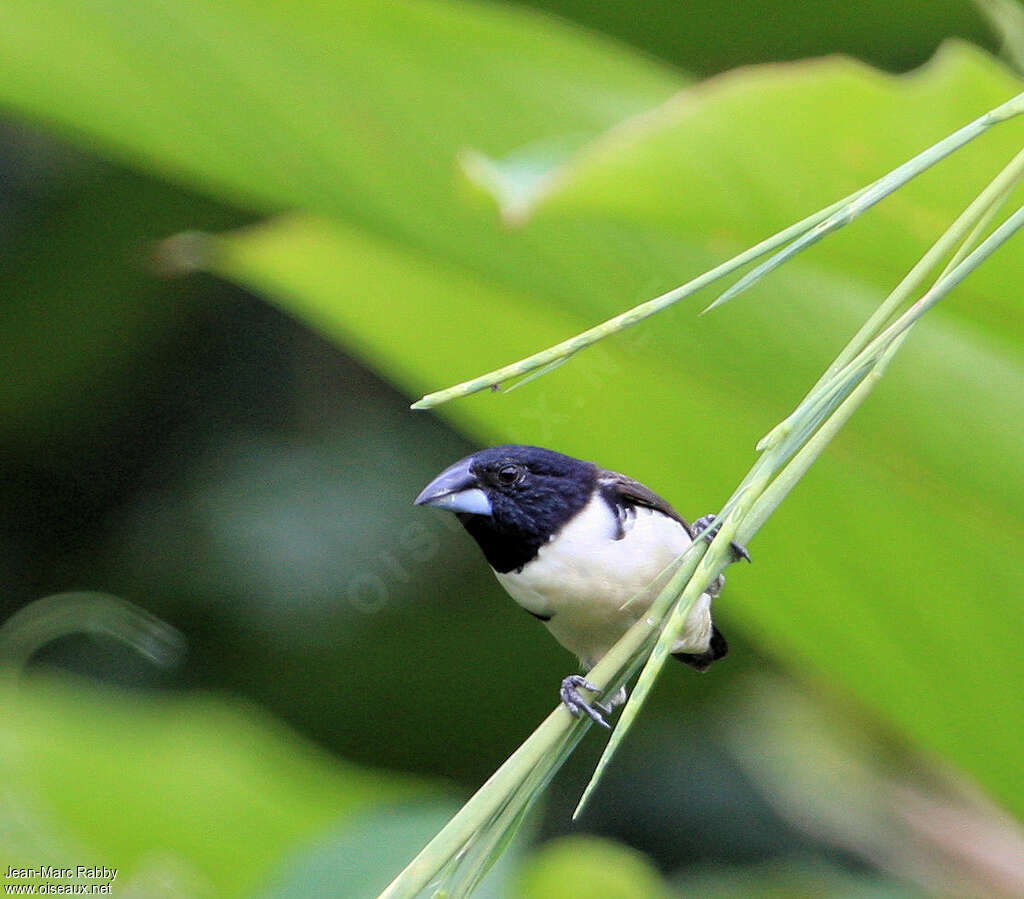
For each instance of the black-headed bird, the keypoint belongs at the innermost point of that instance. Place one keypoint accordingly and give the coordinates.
(584, 549)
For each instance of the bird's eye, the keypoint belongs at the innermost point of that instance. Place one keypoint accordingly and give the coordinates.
(508, 475)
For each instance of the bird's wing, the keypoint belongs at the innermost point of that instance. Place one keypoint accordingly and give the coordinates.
(623, 494)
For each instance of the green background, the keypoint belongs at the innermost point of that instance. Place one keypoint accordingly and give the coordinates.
(439, 188)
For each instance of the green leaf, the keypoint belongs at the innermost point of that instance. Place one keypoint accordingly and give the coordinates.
(355, 856)
(593, 867)
(1007, 20)
(356, 108)
(168, 789)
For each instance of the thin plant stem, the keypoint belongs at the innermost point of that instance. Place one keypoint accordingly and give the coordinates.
(793, 240)
(879, 191)
(547, 360)
(978, 212)
(967, 226)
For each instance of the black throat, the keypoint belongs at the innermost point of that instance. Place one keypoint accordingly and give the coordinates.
(504, 550)
(522, 523)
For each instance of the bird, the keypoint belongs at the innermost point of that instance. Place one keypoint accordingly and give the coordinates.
(582, 548)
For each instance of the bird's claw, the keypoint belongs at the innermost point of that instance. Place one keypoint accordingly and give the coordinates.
(704, 522)
(576, 704)
(740, 551)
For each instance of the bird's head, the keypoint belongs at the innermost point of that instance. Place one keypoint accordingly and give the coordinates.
(512, 499)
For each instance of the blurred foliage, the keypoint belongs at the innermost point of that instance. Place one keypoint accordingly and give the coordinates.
(185, 796)
(895, 36)
(594, 868)
(484, 180)
(836, 775)
(114, 315)
(247, 100)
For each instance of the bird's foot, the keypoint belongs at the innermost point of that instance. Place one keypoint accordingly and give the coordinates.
(576, 704)
(704, 522)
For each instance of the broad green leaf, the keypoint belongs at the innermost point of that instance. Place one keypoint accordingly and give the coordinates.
(722, 157)
(361, 858)
(185, 796)
(355, 856)
(594, 867)
(1007, 20)
(354, 108)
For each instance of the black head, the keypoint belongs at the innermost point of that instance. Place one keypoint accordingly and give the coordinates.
(513, 499)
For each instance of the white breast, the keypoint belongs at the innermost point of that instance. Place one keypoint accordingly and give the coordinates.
(594, 586)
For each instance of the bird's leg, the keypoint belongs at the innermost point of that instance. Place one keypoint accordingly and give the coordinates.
(576, 704)
(740, 552)
(704, 522)
(613, 701)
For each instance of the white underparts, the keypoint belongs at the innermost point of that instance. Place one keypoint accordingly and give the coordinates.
(595, 587)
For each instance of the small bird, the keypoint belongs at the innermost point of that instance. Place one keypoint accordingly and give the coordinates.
(584, 549)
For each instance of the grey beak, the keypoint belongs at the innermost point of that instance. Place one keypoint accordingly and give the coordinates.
(457, 490)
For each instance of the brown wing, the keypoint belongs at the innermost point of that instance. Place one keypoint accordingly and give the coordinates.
(624, 493)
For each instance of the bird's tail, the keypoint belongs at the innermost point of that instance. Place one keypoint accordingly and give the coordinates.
(717, 648)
